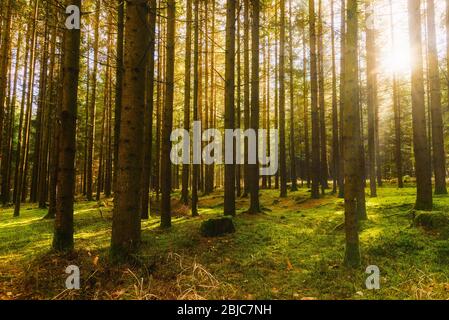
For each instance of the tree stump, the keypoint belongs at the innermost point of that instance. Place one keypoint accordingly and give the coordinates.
(217, 227)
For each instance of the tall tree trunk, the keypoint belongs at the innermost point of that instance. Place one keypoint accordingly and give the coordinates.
(341, 183)
(21, 177)
(351, 136)
(168, 115)
(315, 168)
(92, 107)
(294, 186)
(282, 152)
(229, 191)
(306, 106)
(4, 63)
(439, 157)
(9, 132)
(371, 77)
(238, 111)
(420, 146)
(126, 218)
(63, 233)
(118, 83)
(246, 90)
(335, 133)
(324, 170)
(254, 168)
(187, 67)
(148, 126)
(195, 167)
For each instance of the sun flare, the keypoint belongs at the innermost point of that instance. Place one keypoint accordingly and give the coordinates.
(398, 59)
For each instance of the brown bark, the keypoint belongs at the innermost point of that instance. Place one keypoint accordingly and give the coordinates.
(439, 157)
(420, 146)
(168, 116)
(126, 218)
(229, 190)
(63, 233)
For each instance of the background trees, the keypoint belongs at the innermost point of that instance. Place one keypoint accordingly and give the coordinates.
(148, 67)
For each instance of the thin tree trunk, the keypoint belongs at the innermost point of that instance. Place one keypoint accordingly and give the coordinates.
(168, 115)
(324, 170)
(293, 176)
(315, 168)
(187, 67)
(254, 168)
(229, 191)
(148, 126)
(371, 83)
(92, 107)
(195, 167)
(282, 152)
(335, 133)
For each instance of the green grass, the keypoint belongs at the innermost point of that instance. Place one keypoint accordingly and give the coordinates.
(292, 251)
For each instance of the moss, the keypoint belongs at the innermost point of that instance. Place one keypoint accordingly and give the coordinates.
(217, 227)
(432, 220)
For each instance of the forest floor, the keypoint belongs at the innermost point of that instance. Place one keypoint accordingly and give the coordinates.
(294, 250)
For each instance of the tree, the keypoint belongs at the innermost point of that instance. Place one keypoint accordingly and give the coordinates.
(439, 157)
(187, 67)
(246, 90)
(282, 152)
(254, 168)
(118, 82)
(168, 115)
(4, 63)
(294, 186)
(63, 232)
(195, 167)
(351, 136)
(315, 167)
(324, 170)
(92, 107)
(126, 218)
(420, 146)
(341, 184)
(148, 126)
(229, 191)
(372, 97)
(335, 133)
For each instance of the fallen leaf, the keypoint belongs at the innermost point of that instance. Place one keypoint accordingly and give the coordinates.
(289, 265)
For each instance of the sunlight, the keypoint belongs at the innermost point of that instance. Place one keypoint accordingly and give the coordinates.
(398, 59)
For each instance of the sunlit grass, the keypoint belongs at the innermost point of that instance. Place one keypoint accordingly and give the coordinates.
(293, 250)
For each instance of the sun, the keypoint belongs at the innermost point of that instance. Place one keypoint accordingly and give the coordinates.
(397, 60)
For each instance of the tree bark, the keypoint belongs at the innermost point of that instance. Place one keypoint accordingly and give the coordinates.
(126, 218)
(351, 137)
(168, 116)
(63, 232)
(439, 156)
(424, 199)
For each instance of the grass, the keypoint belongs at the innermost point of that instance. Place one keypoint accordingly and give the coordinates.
(292, 251)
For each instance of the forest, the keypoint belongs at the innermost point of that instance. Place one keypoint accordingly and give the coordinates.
(224, 149)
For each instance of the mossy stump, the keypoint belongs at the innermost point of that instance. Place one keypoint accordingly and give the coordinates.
(217, 227)
(435, 220)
